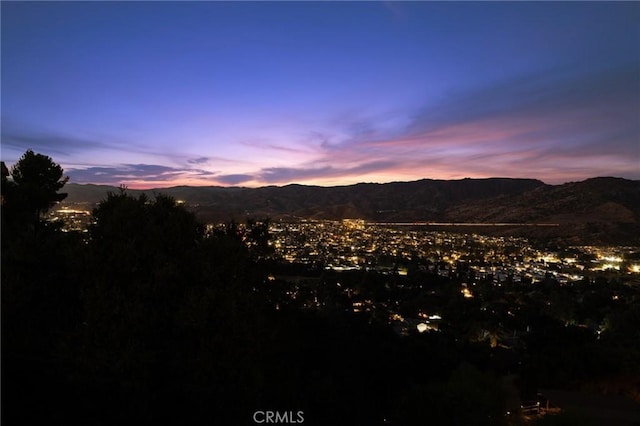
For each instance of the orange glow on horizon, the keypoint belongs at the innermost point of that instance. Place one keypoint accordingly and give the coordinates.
(379, 178)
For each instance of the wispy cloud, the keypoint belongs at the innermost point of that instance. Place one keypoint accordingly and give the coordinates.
(552, 125)
(298, 174)
(199, 160)
(136, 174)
(20, 137)
(556, 100)
(537, 94)
(541, 125)
(48, 142)
(275, 147)
(234, 179)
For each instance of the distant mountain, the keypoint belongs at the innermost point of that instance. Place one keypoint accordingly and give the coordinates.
(602, 210)
(398, 201)
(594, 211)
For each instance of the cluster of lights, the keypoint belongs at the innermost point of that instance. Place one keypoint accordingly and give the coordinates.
(466, 293)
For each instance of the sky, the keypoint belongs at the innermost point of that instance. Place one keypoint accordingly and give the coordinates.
(159, 94)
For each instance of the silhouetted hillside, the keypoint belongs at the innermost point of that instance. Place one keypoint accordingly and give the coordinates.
(602, 210)
(595, 211)
(420, 200)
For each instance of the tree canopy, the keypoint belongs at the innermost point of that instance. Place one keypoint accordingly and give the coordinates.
(33, 188)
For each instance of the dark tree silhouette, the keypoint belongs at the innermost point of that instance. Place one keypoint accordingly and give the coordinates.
(36, 180)
(40, 303)
(168, 312)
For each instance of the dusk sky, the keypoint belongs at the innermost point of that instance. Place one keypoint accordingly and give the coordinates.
(157, 94)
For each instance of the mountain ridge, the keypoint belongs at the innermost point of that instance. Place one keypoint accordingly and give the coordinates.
(600, 210)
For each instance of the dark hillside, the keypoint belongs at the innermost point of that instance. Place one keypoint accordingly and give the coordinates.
(420, 200)
(602, 210)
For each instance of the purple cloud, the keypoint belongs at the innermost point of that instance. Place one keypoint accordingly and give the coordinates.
(47, 142)
(297, 174)
(199, 160)
(135, 173)
(233, 179)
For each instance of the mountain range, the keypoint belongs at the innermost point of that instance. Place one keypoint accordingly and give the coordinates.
(602, 210)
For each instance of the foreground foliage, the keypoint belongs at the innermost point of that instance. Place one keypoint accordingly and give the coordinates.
(150, 320)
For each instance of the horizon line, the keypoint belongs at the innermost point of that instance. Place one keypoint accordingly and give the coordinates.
(151, 188)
